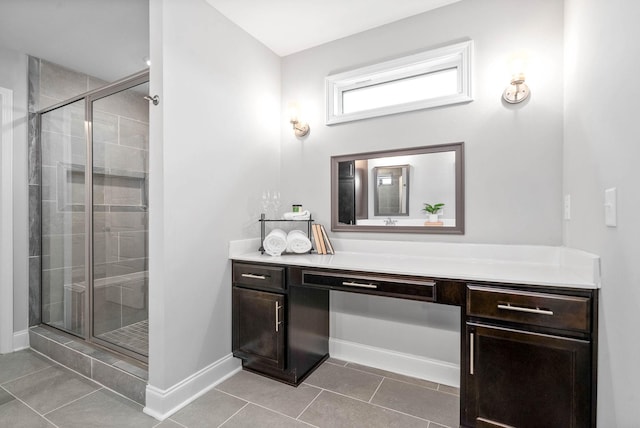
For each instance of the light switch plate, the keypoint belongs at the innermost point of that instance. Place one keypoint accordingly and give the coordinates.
(567, 207)
(610, 207)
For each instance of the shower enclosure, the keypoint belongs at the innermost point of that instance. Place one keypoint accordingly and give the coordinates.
(94, 175)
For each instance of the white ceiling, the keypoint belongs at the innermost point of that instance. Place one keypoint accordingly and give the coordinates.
(103, 38)
(109, 39)
(288, 26)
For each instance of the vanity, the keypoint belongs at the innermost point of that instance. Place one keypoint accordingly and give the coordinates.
(528, 338)
(528, 314)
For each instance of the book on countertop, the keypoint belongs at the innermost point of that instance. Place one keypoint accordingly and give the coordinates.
(316, 239)
(322, 244)
(327, 242)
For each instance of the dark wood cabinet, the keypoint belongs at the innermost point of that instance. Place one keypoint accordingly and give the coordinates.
(258, 326)
(528, 353)
(527, 380)
(528, 359)
(278, 331)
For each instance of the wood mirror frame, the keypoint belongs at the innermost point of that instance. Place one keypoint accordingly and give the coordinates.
(458, 229)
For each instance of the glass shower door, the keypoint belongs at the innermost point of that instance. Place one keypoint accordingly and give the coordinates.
(63, 162)
(120, 131)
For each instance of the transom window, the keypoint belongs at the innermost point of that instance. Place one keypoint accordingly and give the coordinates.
(428, 79)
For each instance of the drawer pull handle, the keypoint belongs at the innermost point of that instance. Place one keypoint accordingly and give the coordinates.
(358, 284)
(253, 276)
(278, 316)
(538, 311)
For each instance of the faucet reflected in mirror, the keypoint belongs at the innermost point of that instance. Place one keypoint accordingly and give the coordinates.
(390, 222)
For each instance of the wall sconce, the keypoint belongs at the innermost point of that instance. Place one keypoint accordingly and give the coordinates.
(517, 91)
(299, 128)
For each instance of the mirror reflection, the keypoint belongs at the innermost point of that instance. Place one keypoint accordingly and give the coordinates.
(409, 190)
(391, 190)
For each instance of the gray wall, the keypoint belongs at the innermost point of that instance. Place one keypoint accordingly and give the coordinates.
(513, 154)
(13, 75)
(214, 147)
(601, 151)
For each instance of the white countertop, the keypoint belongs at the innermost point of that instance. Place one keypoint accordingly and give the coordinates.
(518, 264)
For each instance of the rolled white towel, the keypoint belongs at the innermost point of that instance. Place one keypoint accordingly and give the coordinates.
(275, 243)
(298, 242)
(302, 215)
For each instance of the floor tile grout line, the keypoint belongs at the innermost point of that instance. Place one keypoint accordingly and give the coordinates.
(33, 410)
(279, 413)
(28, 374)
(424, 387)
(403, 381)
(91, 359)
(72, 401)
(262, 406)
(57, 363)
(236, 412)
(94, 381)
(308, 405)
(408, 383)
(376, 391)
(376, 405)
(51, 338)
(178, 423)
(451, 393)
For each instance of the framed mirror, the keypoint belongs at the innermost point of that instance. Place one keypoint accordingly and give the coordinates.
(414, 190)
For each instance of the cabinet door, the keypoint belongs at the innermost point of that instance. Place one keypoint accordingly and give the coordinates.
(258, 326)
(519, 379)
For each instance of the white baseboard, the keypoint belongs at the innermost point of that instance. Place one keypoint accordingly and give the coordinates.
(20, 340)
(161, 404)
(410, 365)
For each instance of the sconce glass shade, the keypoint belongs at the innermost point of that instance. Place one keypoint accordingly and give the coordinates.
(294, 111)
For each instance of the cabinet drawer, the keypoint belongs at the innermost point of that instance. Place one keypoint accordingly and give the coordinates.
(259, 276)
(540, 309)
(414, 288)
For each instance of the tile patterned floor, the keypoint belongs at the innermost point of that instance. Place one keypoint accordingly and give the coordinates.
(134, 337)
(37, 392)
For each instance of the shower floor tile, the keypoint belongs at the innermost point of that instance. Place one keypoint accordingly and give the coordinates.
(134, 337)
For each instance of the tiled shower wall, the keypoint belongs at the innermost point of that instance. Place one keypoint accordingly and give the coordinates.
(120, 200)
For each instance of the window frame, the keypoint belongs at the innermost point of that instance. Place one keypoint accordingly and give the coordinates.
(458, 56)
